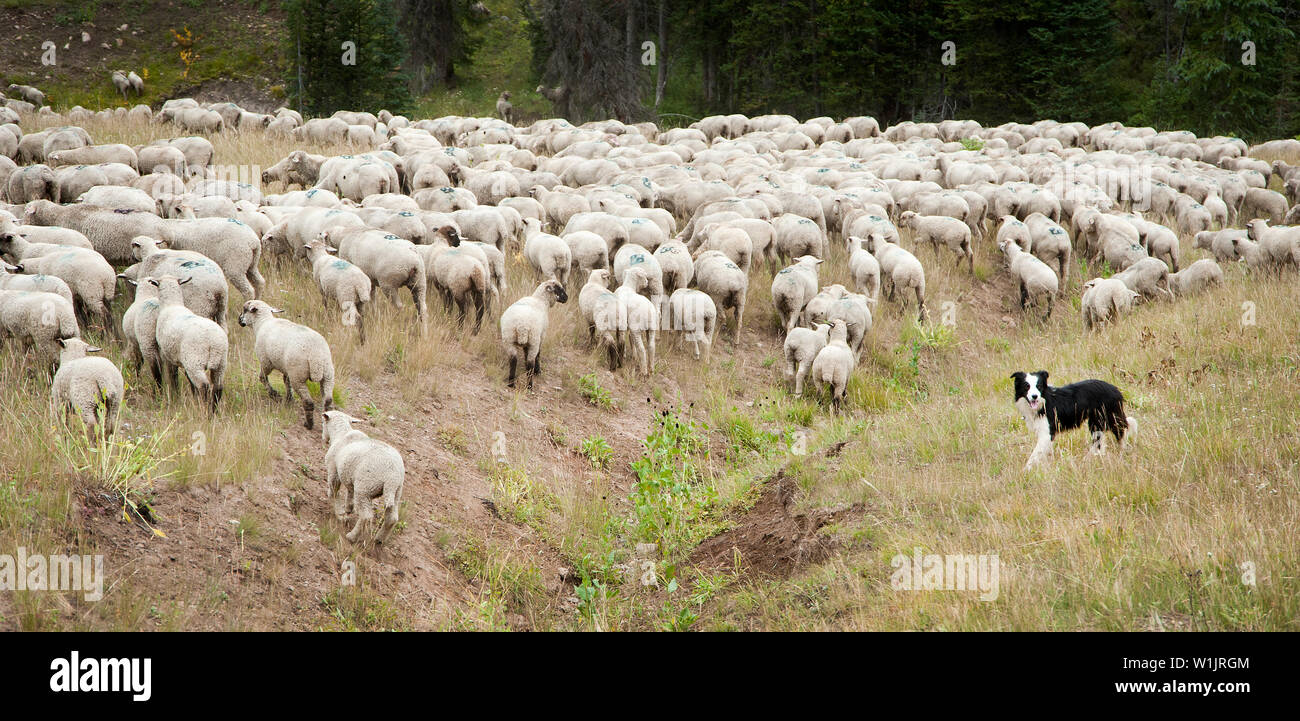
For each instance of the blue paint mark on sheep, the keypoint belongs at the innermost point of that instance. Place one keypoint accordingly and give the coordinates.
(340, 265)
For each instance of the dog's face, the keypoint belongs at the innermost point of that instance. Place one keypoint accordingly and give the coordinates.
(1029, 390)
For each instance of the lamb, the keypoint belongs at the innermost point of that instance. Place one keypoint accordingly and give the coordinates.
(523, 328)
(1196, 277)
(342, 282)
(298, 352)
(90, 278)
(1145, 277)
(693, 313)
(366, 469)
(1104, 299)
(898, 269)
(549, 254)
(642, 317)
(605, 314)
(802, 345)
(83, 382)
(864, 269)
(10, 280)
(38, 320)
(49, 235)
(389, 261)
(792, 288)
(1049, 243)
(197, 345)
(725, 283)
(834, 363)
(207, 292)
(940, 229)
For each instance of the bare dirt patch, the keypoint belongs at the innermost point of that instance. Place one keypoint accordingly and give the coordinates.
(770, 539)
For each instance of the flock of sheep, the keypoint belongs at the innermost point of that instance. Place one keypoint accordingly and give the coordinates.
(656, 230)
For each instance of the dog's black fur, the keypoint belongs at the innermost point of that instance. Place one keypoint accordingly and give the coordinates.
(1067, 407)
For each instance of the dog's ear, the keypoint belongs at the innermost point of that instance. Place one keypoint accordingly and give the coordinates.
(1042, 377)
(1018, 376)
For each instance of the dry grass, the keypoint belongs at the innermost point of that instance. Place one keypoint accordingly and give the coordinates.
(1150, 539)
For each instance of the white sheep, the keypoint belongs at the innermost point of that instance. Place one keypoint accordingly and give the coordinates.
(1280, 245)
(834, 363)
(11, 280)
(207, 292)
(941, 229)
(548, 254)
(197, 345)
(1035, 278)
(1196, 277)
(1104, 299)
(800, 349)
(298, 352)
(1146, 277)
(898, 269)
(90, 278)
(642, 317)
(855, 310)
(341, 282)
(605, 314)
(84, 382)
(523, 328)
(140, 326)
(1050, 243)
(675, 265)
(363, 469)
(37, 320)
(694, 314)
(864, 269)
(390, 262)
(792, 288)
(460, 272)
(725, 283)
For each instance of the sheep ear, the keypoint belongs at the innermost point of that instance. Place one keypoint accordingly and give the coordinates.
(153, 282)
(61, 343)
(93, 349)
(187, 279)
(274, 310)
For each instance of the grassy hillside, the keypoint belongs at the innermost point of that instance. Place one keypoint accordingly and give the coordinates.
(544, 526)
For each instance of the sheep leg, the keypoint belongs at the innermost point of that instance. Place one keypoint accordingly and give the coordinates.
(218, 386)
(336, 497)
(244, 287)
(254, 276)
(652, 336)
(360, 506)
(266, 381)
(514, 360)
(308, 403)
(1024, 296)
(638, 344)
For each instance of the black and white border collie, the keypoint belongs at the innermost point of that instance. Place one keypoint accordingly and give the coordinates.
(1049, 410)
